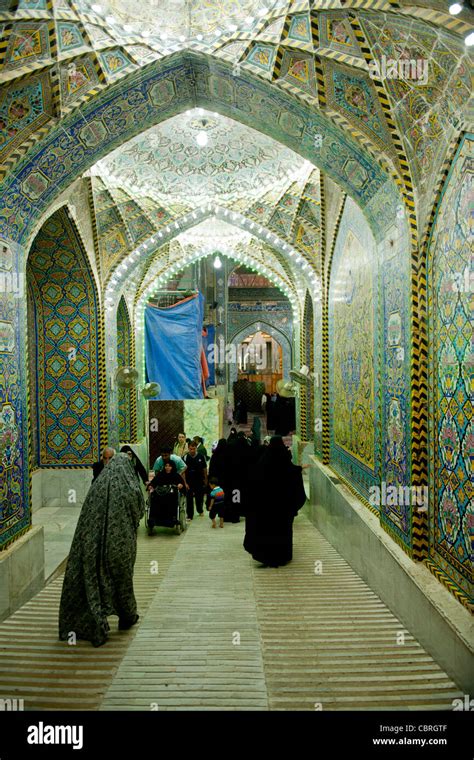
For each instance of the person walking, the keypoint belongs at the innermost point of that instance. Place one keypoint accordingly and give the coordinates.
(140, 471)
(181, 446)
(216, 502)
(106, 456)
(276, 493)
(196, 480)
(98, 581)
(238, 464)
(167, 456)
(201, 449)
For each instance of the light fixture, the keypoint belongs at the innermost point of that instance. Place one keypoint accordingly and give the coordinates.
(202, 138)
(110, 19)
(469, 40)
(96, 8)
(455, 8)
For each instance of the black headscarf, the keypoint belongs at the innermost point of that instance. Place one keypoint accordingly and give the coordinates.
(217, 464)
(140, 471)
(164, 478)
(276, 456)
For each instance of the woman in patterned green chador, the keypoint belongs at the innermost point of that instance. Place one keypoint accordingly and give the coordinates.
(99, 573)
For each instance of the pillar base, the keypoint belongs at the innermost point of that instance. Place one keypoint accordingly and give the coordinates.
(21, 571)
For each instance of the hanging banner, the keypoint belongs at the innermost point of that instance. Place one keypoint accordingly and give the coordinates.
(173, 343)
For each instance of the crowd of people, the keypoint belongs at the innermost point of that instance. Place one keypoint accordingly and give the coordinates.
(243, 478)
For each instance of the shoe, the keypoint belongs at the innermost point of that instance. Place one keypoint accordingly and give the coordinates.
(99, 642)
(124, 625)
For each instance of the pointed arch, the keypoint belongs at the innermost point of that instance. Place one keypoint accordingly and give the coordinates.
(282, 338)
(126, 397)
(165, 89)
(66, 362)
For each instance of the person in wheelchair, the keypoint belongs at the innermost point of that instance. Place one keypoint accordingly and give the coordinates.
(164, 489)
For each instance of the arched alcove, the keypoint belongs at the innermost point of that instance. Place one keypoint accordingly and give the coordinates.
(63, 350)
(125, 396)
(260, 356)
(278, 335)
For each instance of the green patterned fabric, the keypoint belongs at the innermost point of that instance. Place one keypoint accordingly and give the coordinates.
(99, 574)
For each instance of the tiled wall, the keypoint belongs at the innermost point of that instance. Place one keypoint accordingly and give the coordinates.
(354, 356)
(451, 361)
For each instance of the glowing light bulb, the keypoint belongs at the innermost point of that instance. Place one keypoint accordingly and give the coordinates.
(202, 138)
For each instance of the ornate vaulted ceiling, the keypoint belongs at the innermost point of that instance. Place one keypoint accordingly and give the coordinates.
(57, 55)
(237, 165)
(161, 176)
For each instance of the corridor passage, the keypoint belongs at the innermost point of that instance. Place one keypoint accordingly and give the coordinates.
(219, 632)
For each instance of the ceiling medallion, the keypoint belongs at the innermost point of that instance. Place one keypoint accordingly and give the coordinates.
(203, 123)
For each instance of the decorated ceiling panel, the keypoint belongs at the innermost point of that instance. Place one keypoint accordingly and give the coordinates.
(426, 74)
(57, 55)
(208, 237)
(167, 163)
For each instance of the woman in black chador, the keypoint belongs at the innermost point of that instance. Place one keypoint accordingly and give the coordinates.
(238, 461)
(140, 471)
(241, 412)
(217, 464)
(276, 493)
(99, 575)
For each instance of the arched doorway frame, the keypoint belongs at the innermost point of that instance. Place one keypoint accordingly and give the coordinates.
(281, 338)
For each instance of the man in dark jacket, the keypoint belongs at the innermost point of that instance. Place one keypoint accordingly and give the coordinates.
(97, 467)
(196, 480)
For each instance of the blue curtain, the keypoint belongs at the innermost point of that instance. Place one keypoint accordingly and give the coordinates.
(173, 344)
